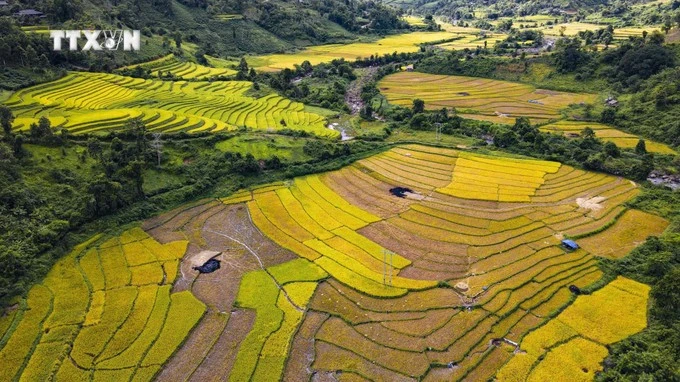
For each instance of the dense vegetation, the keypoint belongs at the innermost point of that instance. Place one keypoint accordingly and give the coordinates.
(54, 186)
(628, 12)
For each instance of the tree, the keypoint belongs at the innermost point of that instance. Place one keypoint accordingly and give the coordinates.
(6, 119)
(200, 56)
(641, 147)
(94, 148)
(588, 132)
(243, 65)
(418, 106)
(505, 138)
(612, 150)
(667, 25)
(666, 293)
(608, 115)
(569, 56)
(657, 38)
(42, 130)
(178, 39)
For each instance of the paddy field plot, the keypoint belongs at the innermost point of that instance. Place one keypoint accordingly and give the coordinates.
(106, 310)
(333, 274)
(572, 29)
(266, 146)
(606, 133)
(186, 69)
(414, 20)
(93, 102)
(402, 43)
(572, 345)
(477, 97)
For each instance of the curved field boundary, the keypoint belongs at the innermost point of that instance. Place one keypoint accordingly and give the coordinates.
(103, 311)
(88, 102)
(606, 133)
(575, 339)
(491, 98)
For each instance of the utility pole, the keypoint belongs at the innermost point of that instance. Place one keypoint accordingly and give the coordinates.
(157, 145)
(438, 136)
(387, 272)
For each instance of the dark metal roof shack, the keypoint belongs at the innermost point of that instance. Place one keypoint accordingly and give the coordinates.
(29, 13)
(570, 245)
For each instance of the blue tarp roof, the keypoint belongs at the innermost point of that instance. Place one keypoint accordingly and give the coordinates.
(570, 243)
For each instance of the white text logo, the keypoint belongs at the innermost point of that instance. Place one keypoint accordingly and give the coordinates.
(97, 39)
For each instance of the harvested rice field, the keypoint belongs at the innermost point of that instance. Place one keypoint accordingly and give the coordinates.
(606, 133)
(391, 268)
(498, 101)
(163, 106)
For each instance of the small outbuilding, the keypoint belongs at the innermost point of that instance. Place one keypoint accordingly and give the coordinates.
(3, 3)
(29, 16)
(570, 245)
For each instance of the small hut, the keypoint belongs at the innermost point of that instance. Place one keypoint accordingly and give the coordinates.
(570, 245)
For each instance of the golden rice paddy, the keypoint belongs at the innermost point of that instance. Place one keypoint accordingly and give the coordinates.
(480, 97)
(333, 274)
(606, 133)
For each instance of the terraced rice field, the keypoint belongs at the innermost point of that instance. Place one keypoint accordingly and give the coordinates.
(93, 102)
(334, 275)
(414, 20)
(106, 311)
(571, 347)
(472, 41)
(479, 98)
(572, 29)
(406, 43)
(186, 70)
(606, 133)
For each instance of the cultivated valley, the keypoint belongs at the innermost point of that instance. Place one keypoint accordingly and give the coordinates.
(341, 191)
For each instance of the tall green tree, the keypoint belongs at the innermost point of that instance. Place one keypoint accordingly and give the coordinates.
(418, 106)
(6, 119)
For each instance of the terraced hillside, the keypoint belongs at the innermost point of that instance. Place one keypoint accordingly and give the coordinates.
(478, 98)
(607, 133)
(104, 312)
(186, 70)
(93, 102)
(406, 43)
(345, 276)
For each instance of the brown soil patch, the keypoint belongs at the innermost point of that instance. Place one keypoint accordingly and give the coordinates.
(546, 92)
(218, 363)
(301, 355)
(408, 244)
(210, 350)
(190, 356)
(418, 273)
